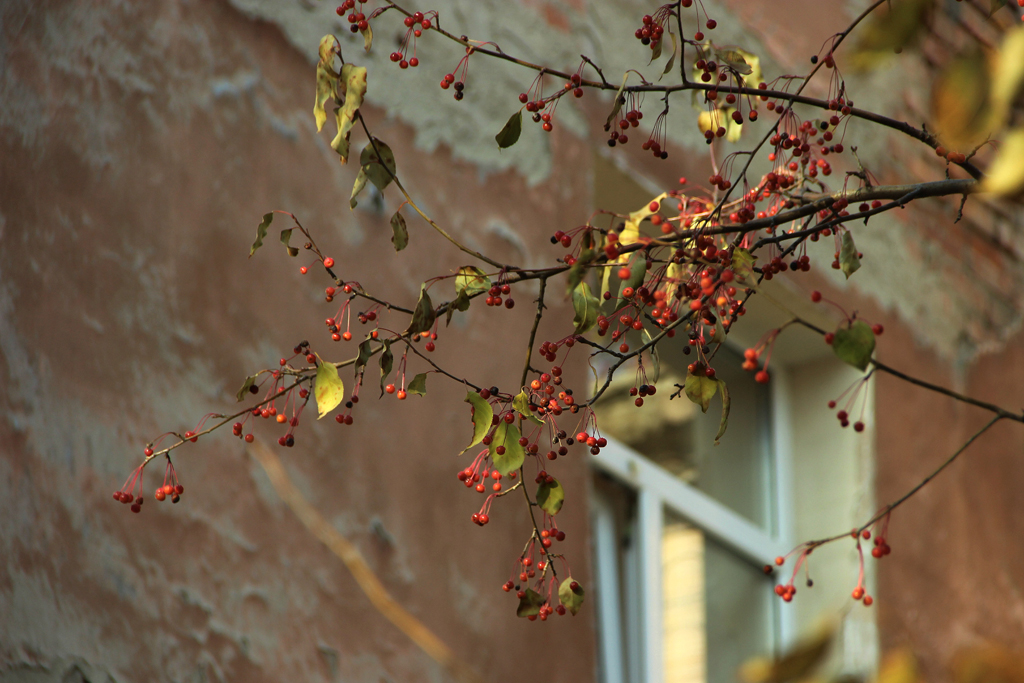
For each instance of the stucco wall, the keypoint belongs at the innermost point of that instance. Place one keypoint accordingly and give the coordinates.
(139, 145)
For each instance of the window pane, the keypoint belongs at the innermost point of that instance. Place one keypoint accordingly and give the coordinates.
(739, 608)
(717, 608)
(676, 435)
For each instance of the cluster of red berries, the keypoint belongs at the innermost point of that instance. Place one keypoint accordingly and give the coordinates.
(750, 357)
(172, 491)
(860, 594)
(495, 293)
(650, 32)
(357, 20)
(844, 419)
(786, 592)
(474, 477)
(416, 25)
(449, 81)
(881, 548)
(346, 418)
(127, 497)
(630, 119)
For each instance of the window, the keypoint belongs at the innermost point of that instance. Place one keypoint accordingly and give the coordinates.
(682, 528)
(681, 531)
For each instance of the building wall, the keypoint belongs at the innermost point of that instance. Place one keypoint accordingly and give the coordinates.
(141, 143)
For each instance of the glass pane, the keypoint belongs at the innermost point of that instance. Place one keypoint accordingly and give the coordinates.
(739, 608)
(676, 435)
(616, 594)
(716, 607)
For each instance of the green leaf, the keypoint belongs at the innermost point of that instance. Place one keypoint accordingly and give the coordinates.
(575, 276)
(326, 79)
(461, 303)
(507, 435)
(619, 101)
(418, 385)
(329, 390)
(521, 404)
(357, 188)
(655, 52)
(367, 36)
(529, 604)
(735, 60)
(571, 600)
(353, 78)
(550, 497)
(655, 357)
(726, 405)
(849, 261)
(509, 134)
(387, 361)
(378, 163)
(261, 232)
(637, 271)
(855, 344)
(400, 238)
(423, 315)
(743, 267)
(249, 381)
(700, 390)
(483, 415)
(586, 306)
(286, 236)
(364, 355)
(890, 30)
(471, 280)
(672, 58)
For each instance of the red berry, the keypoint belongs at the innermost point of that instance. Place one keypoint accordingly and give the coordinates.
(328, 262)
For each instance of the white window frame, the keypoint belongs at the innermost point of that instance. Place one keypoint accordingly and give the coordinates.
(656, 489)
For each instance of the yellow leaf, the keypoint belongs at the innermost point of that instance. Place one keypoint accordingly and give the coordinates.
(899, 666)
(709, 120)
(631, 233)
(1008, 74)
(961, 110)
(733, 130)
(353, 78)
(330, 390)
(987, 664)
(889, 31)
(755, 76)
(794, 665)
(736, 61)
(326, 79)
(1006, 172)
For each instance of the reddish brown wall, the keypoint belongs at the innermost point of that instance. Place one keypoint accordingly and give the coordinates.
(129, 199)
(139, 145)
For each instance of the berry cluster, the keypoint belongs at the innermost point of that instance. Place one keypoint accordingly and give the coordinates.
(495, 293)
(624, 121)
(415, 24)
(650, 31)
